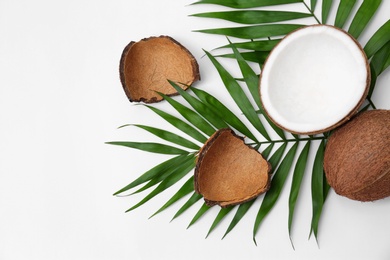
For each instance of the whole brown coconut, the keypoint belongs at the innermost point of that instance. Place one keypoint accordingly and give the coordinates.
(229, 172)
(357, 157)
(147, 65)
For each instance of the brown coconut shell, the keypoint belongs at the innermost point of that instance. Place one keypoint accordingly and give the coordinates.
(353, 112)
(357, 157)
(229, 172)
(147, 65)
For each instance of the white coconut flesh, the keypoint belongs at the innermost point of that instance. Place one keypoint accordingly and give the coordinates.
(313, 79)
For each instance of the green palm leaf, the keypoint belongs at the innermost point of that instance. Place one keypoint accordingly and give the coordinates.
(299, 172)
(256, 31)
(192, 117)
(221, 215)
(179, 173)
(277, 184)
(179, 124)
(252, 81)
(326, 6)
(343, 12)
(381, 60)
(155, 171)
(187, 188)
(317, 188)
(217, 107)
(378, 40)
(239, 97)
(254, 16)
(263, 45)
(168, 136)
(252, 56)
(201, 108)
(363, 16)
(199, 214)
(239, 4)
(151, 147)
(190, 202)
(313, 4)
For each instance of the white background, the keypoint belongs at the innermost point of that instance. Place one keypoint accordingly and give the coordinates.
(61, 99)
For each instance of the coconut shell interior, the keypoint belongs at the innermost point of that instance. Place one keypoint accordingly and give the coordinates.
(147, 65)
(229, 172)
(357, 157)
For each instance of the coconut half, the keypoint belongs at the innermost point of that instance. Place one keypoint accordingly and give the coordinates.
(147, 65)
(229, 172)
(314, 80)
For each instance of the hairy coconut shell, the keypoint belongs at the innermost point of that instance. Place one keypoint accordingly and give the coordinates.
(147, 65)
(229, 172)
(357, 157)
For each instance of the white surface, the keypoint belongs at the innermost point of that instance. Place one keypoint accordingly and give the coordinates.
(313, 79)
(61, 99)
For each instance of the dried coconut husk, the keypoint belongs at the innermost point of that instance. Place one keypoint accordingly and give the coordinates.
(147, 65)
(229, 172)
(357, 157)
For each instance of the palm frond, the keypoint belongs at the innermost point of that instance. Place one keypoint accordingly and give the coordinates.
(259, 32)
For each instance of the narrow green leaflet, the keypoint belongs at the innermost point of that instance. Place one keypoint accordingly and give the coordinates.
(240, 213)
(363, 16)
(299, 172)
(199, 214)
(343, 12)
(239, 97)
(254, 16)
(256, 31)
(267, 151)
(381, 60)
(263, 45)
(191, 201)
(277, 184)
(252, 81)
(179, 173)
(378, 40)
(326, 6)
(151, 147)
(221, 215)
(220, 109)
(277, 156)
(180, 124)
(187, 188)
(155, 171)
(164, 175)
(201, 108)
(169, 136)
(373, 82)
(250, 77)
(192, 117)
(318, 183)
(252, 56)
(239, 4)
(313, 4)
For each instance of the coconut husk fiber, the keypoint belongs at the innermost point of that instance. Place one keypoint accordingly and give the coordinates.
(357, 157)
